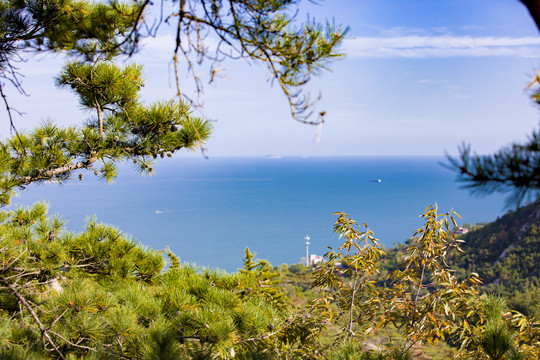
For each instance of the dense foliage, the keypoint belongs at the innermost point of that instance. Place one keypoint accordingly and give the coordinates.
(505, 253)
(98, 294)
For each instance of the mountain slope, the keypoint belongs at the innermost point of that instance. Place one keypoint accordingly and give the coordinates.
(506, 255)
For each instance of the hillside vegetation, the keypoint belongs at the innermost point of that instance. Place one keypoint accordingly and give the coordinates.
(506, 255)
(99, 295)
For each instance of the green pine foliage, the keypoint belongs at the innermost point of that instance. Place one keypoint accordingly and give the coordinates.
(498, 334)
(267, 280)
(102, 85)
(98, 294)
(84, 29)
(123, 129)
(266, 32)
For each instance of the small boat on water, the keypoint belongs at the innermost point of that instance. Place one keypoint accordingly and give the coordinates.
(375, 180)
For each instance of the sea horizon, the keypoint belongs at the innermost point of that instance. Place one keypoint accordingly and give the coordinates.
(209, 210)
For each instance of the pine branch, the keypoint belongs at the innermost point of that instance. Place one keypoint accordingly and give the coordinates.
(49, 174)
(261, 33)
(22, 300)
(514, 169)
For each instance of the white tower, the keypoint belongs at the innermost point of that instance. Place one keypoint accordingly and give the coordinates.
(307, 238)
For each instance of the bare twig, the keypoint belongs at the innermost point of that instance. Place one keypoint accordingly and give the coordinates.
(268, 335)
(70, 343)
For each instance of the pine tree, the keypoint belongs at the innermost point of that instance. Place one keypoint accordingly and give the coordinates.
(99, 294)
(122, 128)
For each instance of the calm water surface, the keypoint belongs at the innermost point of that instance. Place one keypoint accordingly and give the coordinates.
(209, 211)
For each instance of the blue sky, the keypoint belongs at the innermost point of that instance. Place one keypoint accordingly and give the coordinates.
(419, 78)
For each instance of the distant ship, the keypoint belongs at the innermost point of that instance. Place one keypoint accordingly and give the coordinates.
(375, 180)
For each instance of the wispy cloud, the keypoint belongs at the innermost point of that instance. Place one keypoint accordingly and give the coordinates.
(416, 46)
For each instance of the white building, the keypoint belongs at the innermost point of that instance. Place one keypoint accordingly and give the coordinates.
(315, 259)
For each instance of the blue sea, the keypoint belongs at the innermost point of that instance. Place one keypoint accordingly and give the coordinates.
(209, 210)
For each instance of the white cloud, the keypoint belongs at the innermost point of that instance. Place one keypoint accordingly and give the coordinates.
(415, 46)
